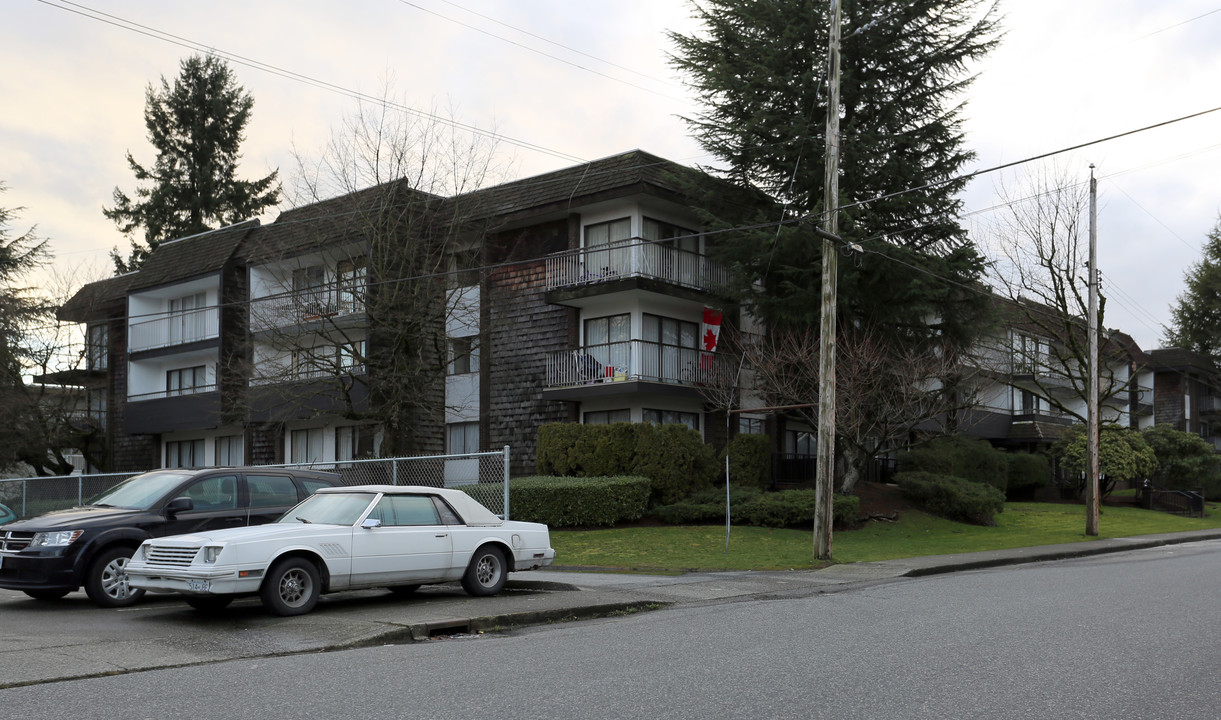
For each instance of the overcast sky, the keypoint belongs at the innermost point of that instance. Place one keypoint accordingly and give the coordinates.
(563, 81)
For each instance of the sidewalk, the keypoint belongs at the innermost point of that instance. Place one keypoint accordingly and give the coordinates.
(46, 643)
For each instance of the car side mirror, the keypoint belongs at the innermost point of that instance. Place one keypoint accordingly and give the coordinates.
(179, 504)
(371, 523)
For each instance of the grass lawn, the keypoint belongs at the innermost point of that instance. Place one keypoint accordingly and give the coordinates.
(678, 549)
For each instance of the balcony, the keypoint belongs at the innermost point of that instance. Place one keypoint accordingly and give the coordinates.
(621, 367)
(297, 308)
(176, 329)
(635, 260)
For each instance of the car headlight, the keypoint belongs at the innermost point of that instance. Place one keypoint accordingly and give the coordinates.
(210, 552)
(58, 538)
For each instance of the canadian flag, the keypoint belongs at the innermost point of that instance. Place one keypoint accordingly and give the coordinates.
(710, 334)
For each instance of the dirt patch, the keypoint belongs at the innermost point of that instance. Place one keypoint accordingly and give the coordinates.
(880, 501)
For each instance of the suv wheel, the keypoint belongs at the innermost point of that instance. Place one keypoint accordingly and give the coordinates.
(106, 581)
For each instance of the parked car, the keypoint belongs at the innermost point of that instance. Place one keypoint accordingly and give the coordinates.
(344, 538)
(6, 515)
(49, 556)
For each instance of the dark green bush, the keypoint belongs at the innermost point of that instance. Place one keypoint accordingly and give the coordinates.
(608, 449)
(705, 506)
(750, 460)
(952, 497)
(675, 459)
(971, 458)
(1027, 472)
(575, 502)
(554, 451)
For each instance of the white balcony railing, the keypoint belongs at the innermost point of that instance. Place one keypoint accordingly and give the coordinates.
(574, 268)
(175, 329)
(631, 360)
(294, 308)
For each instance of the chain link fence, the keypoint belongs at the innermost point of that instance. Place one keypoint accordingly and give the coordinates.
(485, 476)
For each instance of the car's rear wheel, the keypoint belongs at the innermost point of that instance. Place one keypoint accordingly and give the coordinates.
(209, 605)
(47, 594)
(106, 581)
(292, 587)
(403, 590)
(487, 573)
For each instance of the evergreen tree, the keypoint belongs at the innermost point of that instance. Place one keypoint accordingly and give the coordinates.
(197, 127)
(1196, 318)
(760, 70)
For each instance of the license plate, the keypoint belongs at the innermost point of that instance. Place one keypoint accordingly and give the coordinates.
(199, 585)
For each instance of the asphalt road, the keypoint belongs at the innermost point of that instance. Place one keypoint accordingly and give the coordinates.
(1124, 635)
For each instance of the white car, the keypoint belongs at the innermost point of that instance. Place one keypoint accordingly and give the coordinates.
(343, 538)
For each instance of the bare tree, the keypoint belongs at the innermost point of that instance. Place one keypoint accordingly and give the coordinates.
(883, 390)
(390, 206)
(1042, 243)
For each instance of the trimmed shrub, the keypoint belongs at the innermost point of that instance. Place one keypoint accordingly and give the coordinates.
(706, 506)
(970, 458)
(575, 502)
(608, 450)
(750, 460)
(1027, 472)
(554, 450)
(675, 459)
(952, 497)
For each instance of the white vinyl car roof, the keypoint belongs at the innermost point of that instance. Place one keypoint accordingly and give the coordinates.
(469, 509)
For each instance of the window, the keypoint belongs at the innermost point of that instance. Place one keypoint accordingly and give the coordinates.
(677, 237)
(306, 445)
(608, 344)
(463, 355)
(184, 453)
(350, 275)
(351, 357)
(672, 417)
(185, 381)
(1029, 403)
(607, 254)
(309, 292)
(671, 349)
(604, 234)
(1030, 355)
(401, 510)
(800, 442)
(97, 347)
(188, 318)
(229, 450)
(463, 437)
(214, 493)
(606, 417)
(353, 442)
(97, 406)
(750, 426)
(271, 491)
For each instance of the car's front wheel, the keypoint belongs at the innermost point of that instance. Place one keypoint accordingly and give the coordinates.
(487, 573)
(292, 587)
(210, 604)
(106, 582)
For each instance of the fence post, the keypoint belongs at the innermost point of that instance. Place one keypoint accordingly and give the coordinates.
(394, 472)
(506, 504)
(80, 490)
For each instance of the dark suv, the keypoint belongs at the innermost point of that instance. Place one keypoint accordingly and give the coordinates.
(49, 556)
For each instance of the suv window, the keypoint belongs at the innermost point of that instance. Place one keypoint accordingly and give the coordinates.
(312, 486)
(214, 493)
(272, 490)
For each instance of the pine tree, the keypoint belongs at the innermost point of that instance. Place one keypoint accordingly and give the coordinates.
(1196, 318)
(197, 126)
(760, 70)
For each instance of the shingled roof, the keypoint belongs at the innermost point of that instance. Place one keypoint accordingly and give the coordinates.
(571, 186)
(191, 256)
(97, 300)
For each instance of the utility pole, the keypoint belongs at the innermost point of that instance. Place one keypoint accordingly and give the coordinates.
(1091, 485)
(825, 472)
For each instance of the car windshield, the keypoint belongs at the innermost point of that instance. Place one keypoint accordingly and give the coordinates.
(330, 509)
(141, 492)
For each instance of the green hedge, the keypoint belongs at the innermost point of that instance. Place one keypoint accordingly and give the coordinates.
(952, 497)
(750, 506)
(1027, 472)
(750, 460)
(674, 457)
(973, 459)
(574, 502)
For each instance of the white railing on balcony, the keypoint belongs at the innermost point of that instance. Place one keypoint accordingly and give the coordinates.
(293, 308)
(631, 360)
(175, 329)
(176, 392)
(634, 259)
